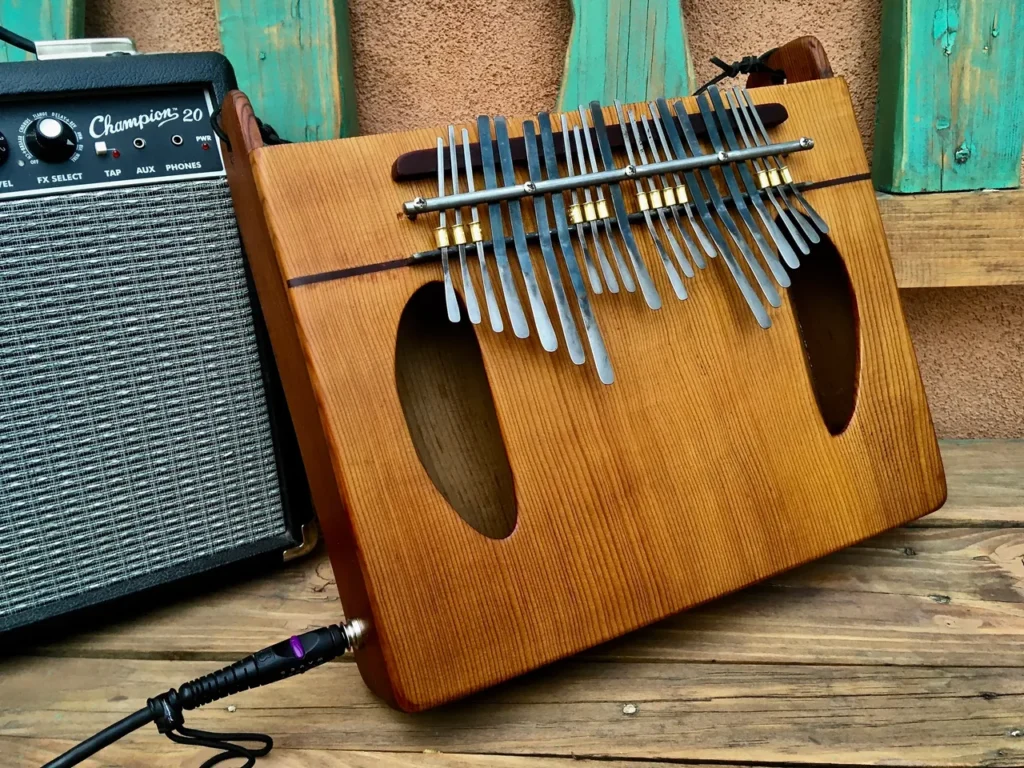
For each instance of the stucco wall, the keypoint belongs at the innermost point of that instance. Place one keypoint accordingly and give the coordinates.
(434, 61)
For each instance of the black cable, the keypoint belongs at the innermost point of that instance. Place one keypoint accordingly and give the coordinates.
(12, 38)
(745, 66)
(290, 657)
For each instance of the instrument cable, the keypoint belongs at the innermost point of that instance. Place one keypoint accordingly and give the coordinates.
(12, 38)
(290, 657)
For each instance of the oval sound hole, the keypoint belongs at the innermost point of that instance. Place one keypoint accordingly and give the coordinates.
(826, 313)
(449, 409)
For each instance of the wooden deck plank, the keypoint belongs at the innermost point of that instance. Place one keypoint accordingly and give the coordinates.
(904, 649)
(958, 239)
(795, 714)
(34, 752)
(926, 591)
(985, 480)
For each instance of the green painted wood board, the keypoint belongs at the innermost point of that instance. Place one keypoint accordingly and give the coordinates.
(293, 59)
(631, 50)
(951, 95)
(40, 20)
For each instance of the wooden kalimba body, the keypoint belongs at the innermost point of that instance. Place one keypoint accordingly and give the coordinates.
(489, 506)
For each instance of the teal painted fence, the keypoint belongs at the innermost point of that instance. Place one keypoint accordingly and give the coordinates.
(632, 50)
(40, 20)
(951, 95)
(294, 62)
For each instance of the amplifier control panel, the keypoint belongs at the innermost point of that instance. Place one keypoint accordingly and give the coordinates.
(77, 142)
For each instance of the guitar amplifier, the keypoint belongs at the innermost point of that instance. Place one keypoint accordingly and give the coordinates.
(143, 434)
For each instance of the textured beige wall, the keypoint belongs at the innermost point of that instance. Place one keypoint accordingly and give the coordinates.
(433, 61)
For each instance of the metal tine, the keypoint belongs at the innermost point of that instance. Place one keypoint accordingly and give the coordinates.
(493, 313)
(508, 284)
(459, 235)
(450, 299)
(778, 202)
(782, 170)
(590, 214)
(645, 209)
(738, 198)
(775, 180)
(594, 338)
(545, 330)
(643, 277)
(732, 145)
(577, 214)
(767, 287)
(540, 209)
(669, 193)
(602, 209)
(705, 241)
(670, 130)
(655, 195)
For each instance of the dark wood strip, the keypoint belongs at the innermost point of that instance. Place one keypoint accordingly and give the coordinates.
(422, 163)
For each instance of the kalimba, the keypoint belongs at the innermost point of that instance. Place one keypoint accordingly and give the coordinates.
(490, 503)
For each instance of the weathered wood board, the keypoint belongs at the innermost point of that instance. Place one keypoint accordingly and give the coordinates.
(49, 20)
(631, 50)
(294, 60)
(951, 96)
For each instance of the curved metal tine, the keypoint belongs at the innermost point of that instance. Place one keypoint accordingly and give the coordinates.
(451, 301)
(508, 284)
(732, 144)
(805, 226)
(590, 214)
(762, 176)
(493, 313)
(606, 220)
(746, 289)
(468, 291)
(767, 287)
(643, 277)
(578, 216)
(645, 208)
(669, 194)
(655, 196)
(808, 208)
(545, 330)
(705, 241)
(594, 338)
(540, 209)
(738, 198)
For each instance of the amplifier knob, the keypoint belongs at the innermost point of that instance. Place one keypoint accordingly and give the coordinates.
(51, 140)
(5, 149)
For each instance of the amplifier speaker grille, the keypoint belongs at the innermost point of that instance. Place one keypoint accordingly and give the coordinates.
(133, 418)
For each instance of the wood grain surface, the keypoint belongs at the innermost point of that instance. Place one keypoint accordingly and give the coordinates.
(955, 240)
(705, 468)
(903, 649)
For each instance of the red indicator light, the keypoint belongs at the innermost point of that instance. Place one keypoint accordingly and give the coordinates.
(115, 154)
(206, 146)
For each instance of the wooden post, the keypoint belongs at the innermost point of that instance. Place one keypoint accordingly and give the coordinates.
(36, 20)
(625, 49)
(294, 62)
(951, 95)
